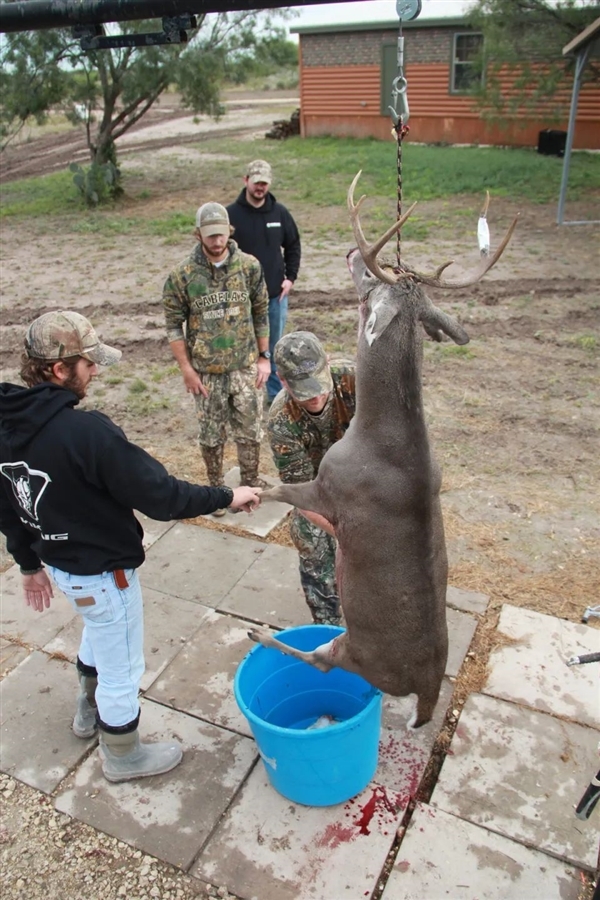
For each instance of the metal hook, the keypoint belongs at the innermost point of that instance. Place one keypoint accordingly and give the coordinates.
(399, 86)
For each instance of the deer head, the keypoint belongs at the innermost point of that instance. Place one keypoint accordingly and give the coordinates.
(369, 252)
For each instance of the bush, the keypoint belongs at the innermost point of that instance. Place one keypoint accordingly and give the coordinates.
(98, 184)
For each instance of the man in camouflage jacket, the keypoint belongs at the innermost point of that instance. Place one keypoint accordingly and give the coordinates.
(219, 295)
(312, 412)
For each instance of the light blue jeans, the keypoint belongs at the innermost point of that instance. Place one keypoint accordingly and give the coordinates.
(277, 319)
(112, 639)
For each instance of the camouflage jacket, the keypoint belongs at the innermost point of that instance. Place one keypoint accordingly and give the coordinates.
(224, 309)
(298, 440)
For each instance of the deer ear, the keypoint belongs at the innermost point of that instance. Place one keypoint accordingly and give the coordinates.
(435, 322)
(382, 313)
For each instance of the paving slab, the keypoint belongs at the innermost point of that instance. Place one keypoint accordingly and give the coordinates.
(445, 858)
(199, 681)
(533, 669)
(270, 591)
(267, 848)
(37, 745)
(168, 816)
(197, 563)
(20, 622)
(467, 601)
(520, 772)
(404, 754)
(153, 529)
(11, 655)
(264, 519)
(168, 623)
(461, 628)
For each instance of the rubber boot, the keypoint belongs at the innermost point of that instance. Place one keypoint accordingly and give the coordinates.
(125, 757)
(85, 724)
(249, 459)
(213, 460)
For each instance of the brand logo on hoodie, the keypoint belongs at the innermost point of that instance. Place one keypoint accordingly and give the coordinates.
(28, 486)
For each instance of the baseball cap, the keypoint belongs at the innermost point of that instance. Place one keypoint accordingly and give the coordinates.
(301, 360)
(259, 170)
(59, 335)
(211, 219)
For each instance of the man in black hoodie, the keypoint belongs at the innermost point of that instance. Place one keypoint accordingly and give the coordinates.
(266, 229)
(70, 481)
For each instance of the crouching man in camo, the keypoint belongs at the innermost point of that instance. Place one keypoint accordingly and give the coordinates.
(311, 413)
(219, 295)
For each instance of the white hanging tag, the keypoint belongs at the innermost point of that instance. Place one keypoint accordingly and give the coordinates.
(483, 236)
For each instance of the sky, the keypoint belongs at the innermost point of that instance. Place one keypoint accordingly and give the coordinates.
(372, 11)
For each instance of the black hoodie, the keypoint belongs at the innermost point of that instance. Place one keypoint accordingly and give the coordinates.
(265, 231)
(71, 480)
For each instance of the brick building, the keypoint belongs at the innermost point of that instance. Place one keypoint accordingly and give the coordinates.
(346, 74)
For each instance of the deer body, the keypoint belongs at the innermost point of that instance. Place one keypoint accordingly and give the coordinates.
(379, 487)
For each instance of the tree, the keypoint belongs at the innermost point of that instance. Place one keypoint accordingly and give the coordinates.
(111, 90)
(522, 46)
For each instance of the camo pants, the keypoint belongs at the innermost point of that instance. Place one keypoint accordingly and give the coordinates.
(317, 570)
(234, 400)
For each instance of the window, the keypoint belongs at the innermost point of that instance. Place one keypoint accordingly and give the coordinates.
(466, 75)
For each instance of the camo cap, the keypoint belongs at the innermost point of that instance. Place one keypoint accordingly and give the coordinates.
(59, 335)
(259, 170)
(212, 218)
(301, 360)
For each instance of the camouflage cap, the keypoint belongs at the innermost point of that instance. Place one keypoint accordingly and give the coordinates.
(259, 170)
(212, 218)
(302, 361)
(59, 335)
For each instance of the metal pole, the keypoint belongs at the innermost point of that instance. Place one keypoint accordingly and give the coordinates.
(581, 61)
(31, 15)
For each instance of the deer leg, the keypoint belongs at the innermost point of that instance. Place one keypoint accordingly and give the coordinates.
(319, 657)
(302, 496)
(426, 703)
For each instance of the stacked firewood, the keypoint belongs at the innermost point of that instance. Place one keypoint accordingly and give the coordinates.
(284, 128)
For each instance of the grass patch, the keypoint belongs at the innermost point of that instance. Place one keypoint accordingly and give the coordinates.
(138, 386)
(47, 195)
(453, 351)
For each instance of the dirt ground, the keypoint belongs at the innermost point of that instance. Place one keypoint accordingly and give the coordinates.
(513, 417)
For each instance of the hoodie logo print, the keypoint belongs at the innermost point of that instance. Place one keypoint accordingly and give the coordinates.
(28, 486)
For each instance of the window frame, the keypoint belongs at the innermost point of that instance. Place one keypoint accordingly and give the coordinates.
(454, 62)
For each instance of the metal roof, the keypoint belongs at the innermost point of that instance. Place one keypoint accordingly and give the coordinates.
(449, 22)
(588, 34)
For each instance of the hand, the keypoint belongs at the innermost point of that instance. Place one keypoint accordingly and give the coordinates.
(37, 590)
(245, 498)
(193, 382)
(264, 370)
(286, 286)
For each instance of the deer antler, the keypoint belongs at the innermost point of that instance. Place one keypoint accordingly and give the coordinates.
(369, 251)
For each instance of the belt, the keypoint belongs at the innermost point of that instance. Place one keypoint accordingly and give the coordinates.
(120, 579)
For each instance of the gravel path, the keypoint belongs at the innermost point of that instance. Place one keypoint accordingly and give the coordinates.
(46, 855)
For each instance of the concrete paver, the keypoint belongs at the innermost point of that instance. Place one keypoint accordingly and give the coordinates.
(264, 519)
(533, 670)
(199, 681)
(169, 816)
(468, 601)
(404, 754)
(19, 622)
(520, 772)
(461, 628)
(153, 529)
(198, 563)
(271, 849)
(445, 858)
(169, 622)
(37, 745)
(11, 655)
(270, 592)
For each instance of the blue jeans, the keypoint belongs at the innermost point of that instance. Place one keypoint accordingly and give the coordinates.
(113, 638)
(277, 319)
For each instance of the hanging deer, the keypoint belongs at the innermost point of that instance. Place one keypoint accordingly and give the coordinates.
(379, 486)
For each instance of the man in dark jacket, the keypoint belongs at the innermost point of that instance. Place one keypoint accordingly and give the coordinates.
(266, 229)
(70, 481)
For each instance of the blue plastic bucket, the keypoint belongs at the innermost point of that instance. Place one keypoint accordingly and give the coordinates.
(282, 697)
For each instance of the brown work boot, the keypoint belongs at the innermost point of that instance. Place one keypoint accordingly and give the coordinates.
(249, 458)
(213, 460)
